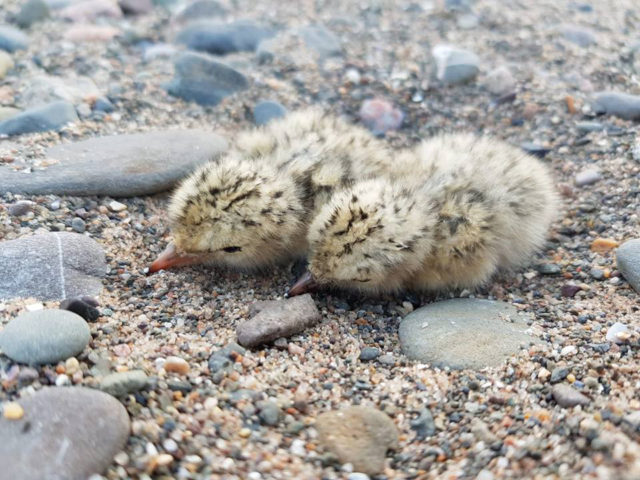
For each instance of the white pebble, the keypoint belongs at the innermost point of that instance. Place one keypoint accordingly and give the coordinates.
(297, 448)
(115, 206)
(587, 177)
(613, 334)
(33, 307)
(170, 445)
(62, 380)
(358, 476)
(254, 476)
(353, 76)
(568, 350)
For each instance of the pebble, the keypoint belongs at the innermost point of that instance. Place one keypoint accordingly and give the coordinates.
(122, 383)
(69, 433)
(136, 7)
(103, 104)
(269, 412)
(78, 225)
(597, 273)
(12, 39)
(455, 65)
(279, 318)
(549, 269)
(220, 39)
(49, 88)
(558, 374)
(20, 208)
(202, 9)
(568, 397)
(588, 177)
(45, 336)
(603, 245)
(202, 79)
(535, 149)
(266, 111)
(116, 206)
(52, 116)
(619, 104)
(587, 127)
(91, 33)
(321, 40)
(628, 262)
(500, 81)
(380, 116)
(103, 165)
(360, 436)
(223, 359)
(424, 424)
(57, 266)
(87, 10)
(176, 365)
(12, 411)
(369, 353)
(84, 306)
(31, 12)
(617, 333)
(463, 333)
(581, 36)
(569, 290)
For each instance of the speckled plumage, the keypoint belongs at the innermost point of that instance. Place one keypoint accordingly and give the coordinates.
(252, 206)
(472, 206)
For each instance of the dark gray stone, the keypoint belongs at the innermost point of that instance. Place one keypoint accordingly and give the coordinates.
(51, 266)
(219, 38)
(535, 149)
(549, 269)
(279, 318)
(455, 65)
(121, 383)
(266, 111)
(200, 78)
(463, 333)
(52, 116)
(103, 104)
(202, 9)
(269, 412)
(621, 105)
(32, 11)
(321, 40)
(558, 374)
(44, 336)
(587, 127)
(628, 260)
(222, 360)
(66, 433)
(568, 397)
(119, 165)
(369, 353)
(78, 225)
(12, 39)
(424, 425)
(84, 306)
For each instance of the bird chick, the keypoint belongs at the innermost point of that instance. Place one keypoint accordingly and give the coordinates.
(472, 207)
(252, 207)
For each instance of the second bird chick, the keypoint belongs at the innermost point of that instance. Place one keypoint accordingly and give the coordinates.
(474, 206)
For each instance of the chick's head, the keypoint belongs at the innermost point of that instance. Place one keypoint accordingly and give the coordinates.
(370, 237)
(233, 213)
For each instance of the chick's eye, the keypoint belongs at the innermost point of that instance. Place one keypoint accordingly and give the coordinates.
(232, 249)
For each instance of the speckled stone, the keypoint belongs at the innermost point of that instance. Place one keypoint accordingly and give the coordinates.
(463, 333)
(44, 336)
(65, 433)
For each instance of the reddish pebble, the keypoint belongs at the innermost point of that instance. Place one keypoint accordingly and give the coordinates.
(176, 365)
(380, 116)
(569, 290)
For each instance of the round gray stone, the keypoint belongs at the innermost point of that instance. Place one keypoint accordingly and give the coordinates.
(455, 65)
(202, 79)
(121, 383)
(12, 39)
(44, 336)
(66, 433)
(463, 333)
(628, 260)
(52, 116)
(266, 111)
(51, 266)
(221, 38)
(118, 165)
(32, 11)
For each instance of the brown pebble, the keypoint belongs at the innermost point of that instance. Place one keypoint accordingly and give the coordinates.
(176, 365)
(603, 245)
(12, 411)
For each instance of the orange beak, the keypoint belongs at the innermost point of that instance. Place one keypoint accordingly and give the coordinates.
(170, 258)
(306, 283)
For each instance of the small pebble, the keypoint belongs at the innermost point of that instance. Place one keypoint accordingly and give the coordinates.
(568, 397)
(618, 333)
(380, 116)
(587, 177)
(116, 206)
(176, 365)
(602, 245)
(369, 353)
(12, 411)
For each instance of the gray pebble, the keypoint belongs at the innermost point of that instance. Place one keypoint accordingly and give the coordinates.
(424, 424)
(455, 65)
(52, 116)
(266, 111)
(321, 40)
(78, 225)
(202, 9)
(122, 383)
(280, 318)
(549, 269)
(387, 359)
(103, 104)
(269, 412)
(32, 11)
(535, 149)
(222, 360)
(558, 374)
(44, 336)
(628, 262)
(219, 38)
(12, 39)
(568, 397)
(20, 208)
(587, 127)
(358, 476)
(579, 35)
(587, 177)
(597, 273)
(369, 353)
(621, 105)
(85, 306)
(500, 81)
(202, 79)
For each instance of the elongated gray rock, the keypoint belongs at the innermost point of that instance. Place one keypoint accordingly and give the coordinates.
(118, 165)
(618, 104)
(463, 333)
(221, 38)
(66, 433)
(278, 318)
(44, 336)
(51, 266)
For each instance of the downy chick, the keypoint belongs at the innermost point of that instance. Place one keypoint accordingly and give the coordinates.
(474, 206)
(251, 207)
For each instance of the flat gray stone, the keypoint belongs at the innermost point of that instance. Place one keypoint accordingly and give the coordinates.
(619, 104)
(628, 260)
(568, 397)
(51, 266)
(221, 38)
(278, 318)
(119, 165)
(202, 79)
(42, 88)
(52, 116)
(579, 35)
(66, 433)
(455, 65)
(358, 435)
(201, 9)
(44, 336)
(12, 39)
(463, 333)
(121, 383)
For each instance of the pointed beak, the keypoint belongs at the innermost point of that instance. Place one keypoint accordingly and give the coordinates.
(170, 258)
(306, 283)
